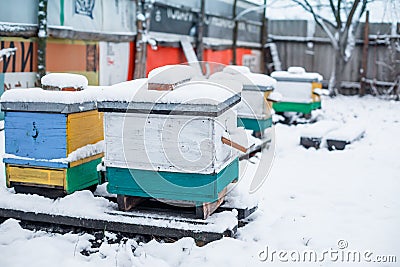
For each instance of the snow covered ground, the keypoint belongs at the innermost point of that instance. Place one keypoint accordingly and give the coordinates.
(313, 200)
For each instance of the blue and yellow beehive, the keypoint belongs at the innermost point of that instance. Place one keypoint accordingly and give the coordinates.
(299, 90)
(53, 138)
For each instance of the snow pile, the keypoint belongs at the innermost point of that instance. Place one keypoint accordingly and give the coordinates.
(38, 95)
(86, 151)
(310, 200)
(194, 92)
(80, 153)
(243, 74)
(349, 132)
(233, 69)
(319, 129)
(64, 80)
(7, 52)
(172, 74)
(296, 73)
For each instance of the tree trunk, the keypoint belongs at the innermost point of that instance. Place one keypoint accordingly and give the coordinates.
(339, 66)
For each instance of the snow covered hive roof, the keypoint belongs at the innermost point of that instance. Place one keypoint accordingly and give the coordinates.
(169, 76)
(38, 99)
(60, 81)
(296, 74)
(192, 97)
(251, 81)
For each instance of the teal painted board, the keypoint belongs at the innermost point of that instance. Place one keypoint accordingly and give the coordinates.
(35, 135)
(82, 176)
(254, 124)
(170, 185)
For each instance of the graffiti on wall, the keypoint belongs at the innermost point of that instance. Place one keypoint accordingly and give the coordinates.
(84, 7)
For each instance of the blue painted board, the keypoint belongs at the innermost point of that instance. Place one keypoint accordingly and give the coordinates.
(35, 163)
(36, 135)
(170, 185)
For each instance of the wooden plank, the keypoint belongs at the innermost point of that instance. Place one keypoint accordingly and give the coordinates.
(84, 128)
(85, 160)
(168, 185)
(36, 163)
(82, 176)
(228, 142)
(35, 135)
(37, 176)
(160, 227)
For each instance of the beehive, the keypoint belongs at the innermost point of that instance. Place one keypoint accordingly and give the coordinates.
(298, 90)
(53, 140)
(168, 144)
(254, 111)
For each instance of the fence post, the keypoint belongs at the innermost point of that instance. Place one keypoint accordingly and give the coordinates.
(364, 64)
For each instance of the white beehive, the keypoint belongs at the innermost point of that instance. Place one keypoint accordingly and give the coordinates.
(295, 84)
(173, 131)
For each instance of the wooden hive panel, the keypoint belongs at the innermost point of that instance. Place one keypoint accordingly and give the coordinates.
(84, 128)
(38, 176)
(35, 135)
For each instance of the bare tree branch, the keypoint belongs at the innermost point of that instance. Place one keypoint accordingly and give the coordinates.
(307, 7)
(320, 21)
(351, 14)
(339, 4)
(334, 12)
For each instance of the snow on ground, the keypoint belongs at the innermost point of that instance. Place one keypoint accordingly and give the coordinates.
(310, 201)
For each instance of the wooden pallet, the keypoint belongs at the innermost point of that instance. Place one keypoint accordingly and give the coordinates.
(158, 228)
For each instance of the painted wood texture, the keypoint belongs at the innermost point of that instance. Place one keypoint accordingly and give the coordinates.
(71, 179)
(254, 124)
(298, 92)
(50, 164)
(84, 128)
(253, 105)
(293, 107)
(315, 97)
(37, 176)
(82, 176)
(35, 135)
(171, 185)
(167, 143)
(49, 135)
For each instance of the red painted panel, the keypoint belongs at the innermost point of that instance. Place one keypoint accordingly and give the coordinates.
(164, 56)
(174, 55)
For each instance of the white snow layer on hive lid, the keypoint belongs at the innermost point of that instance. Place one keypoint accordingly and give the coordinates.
(232, 69)
(246, 77)
(65, 80)
(38, 95)
(171, 74)
(199, 92)
(123, 92)
(194, 92)
(296, 73)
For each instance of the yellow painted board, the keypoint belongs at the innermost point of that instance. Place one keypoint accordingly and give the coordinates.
(84, 128)
(85, 160)
(266, 95)
(38, 176)
(315, 85)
